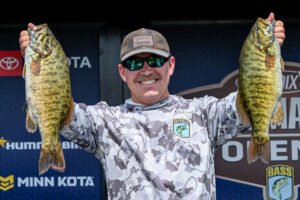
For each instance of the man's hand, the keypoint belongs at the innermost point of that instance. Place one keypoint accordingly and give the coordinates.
(279, 30)
(24, 38)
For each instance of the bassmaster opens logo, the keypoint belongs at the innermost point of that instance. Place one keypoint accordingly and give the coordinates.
(279, 182)
(2, 142)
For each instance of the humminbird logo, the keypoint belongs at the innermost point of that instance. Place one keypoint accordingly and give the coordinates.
(36, 145)
(6, 183)
(284, 140)
(2, 142)
(9, 182)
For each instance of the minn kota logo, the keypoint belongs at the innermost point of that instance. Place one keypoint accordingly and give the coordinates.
(280, 182)
(6, 183)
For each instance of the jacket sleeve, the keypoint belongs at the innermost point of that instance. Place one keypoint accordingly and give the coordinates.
(222, 118)
(81, 130)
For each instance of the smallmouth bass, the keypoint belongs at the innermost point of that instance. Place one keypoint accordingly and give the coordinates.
(260, 87)
(48, 94)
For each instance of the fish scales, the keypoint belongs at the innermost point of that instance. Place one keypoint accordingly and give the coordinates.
(260, 87)
(48, 94)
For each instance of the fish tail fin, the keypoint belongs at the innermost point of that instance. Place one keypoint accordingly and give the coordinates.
(265, 152)
(58, 163)
(45, 162)
(253, 152)
(55, 161)
(258, 151)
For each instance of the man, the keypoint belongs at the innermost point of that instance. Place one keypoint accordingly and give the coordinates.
(156, 145)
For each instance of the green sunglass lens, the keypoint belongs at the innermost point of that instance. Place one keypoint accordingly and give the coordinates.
(137, 63)
(155, 61)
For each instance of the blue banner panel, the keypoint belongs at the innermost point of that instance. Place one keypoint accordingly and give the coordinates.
(19, 150)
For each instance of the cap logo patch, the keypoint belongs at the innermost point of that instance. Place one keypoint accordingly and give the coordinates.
(143, 40)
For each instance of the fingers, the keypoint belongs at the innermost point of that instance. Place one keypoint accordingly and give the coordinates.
(31, 26)
(279, 26)
(24, 38)
(279, 32)
(271, 16)
(23, 41)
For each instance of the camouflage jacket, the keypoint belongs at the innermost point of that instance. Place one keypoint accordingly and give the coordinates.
(162, 151)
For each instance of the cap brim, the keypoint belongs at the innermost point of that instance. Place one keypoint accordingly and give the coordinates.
(145, 50)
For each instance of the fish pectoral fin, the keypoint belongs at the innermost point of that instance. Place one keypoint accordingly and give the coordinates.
(31, 125)
(244, 116)
(270, 61)
(68, 119)
(278, 115)
(35, 67)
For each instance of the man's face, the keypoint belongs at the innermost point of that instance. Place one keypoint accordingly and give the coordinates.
(148, 85)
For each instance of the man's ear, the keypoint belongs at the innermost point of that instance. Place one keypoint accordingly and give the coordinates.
(171, 65)
(122, 72)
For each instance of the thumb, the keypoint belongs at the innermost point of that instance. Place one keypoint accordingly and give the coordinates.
(31, 26)
(271, 17)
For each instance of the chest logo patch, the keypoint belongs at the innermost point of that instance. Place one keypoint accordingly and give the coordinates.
(182, 127)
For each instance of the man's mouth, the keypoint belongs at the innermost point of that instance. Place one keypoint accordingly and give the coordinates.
(148, 80)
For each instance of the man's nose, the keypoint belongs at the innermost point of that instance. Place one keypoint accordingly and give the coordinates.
(146, 70)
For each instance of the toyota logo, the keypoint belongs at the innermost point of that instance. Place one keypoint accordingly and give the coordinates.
(9, 63)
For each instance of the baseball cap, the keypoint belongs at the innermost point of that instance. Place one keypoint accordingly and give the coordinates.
(144, 41)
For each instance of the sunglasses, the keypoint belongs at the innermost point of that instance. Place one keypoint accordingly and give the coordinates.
(137, 63)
